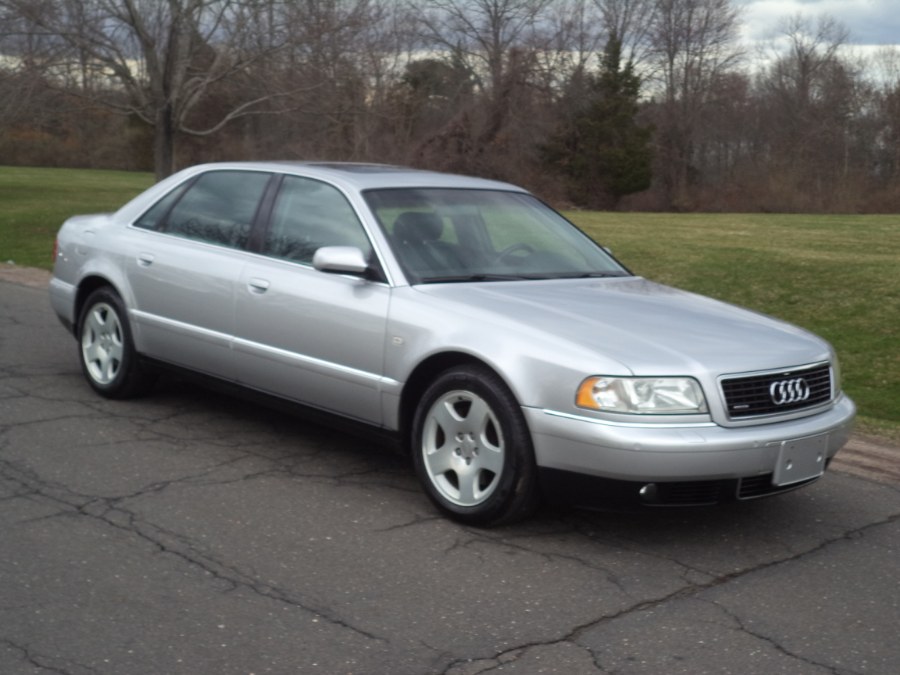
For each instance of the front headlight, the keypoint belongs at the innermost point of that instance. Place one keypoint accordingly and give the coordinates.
(642, 395)
(836, 376)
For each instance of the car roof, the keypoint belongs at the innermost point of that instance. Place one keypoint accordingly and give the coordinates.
(349, 176)
(367, 176)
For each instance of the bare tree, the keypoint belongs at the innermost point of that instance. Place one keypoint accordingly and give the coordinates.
(497, 42)
(694, 42)
(482, 33)
(885, 82)
(885, 66)
(632, 23)
(19, 78)
(158, 60)
(812, 48)
(574, 40)
(809, 89)
(347, 54)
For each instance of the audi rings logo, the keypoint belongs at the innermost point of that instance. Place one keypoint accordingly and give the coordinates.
(789, 391)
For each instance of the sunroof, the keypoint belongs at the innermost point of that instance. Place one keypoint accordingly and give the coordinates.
(352, 167)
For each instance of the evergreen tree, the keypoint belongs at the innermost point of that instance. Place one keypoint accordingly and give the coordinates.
(601, 149)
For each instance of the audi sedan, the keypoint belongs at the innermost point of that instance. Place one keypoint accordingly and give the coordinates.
(511, 355)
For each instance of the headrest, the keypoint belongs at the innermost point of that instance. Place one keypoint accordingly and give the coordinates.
(418, 226)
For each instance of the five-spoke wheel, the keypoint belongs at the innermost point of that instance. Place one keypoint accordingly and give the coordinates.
(472, 449)
(101, 343)
(462, 447)
(106, 350)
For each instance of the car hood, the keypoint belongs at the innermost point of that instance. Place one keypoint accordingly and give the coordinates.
(648, 328)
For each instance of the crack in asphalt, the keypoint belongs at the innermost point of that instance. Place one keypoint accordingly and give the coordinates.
(775, 644)
(111, 511)
(163, 421)
(108, 510)
(477, 537)
(44, 662)
(514, 653)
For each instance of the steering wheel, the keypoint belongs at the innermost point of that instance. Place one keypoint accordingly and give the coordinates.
(509, 250)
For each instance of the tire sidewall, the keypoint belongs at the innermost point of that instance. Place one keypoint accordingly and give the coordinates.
(122, 385)
(516, 487)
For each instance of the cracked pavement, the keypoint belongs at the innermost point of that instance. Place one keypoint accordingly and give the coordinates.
(190, 532)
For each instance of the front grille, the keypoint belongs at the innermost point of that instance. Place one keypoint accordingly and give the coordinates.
(691, 493)
(762, 486)
(755, 486)
(778, 392)
(709, 492)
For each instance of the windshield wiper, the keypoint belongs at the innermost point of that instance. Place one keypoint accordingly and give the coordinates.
(592, 275)
(463, 278)
(473, 277)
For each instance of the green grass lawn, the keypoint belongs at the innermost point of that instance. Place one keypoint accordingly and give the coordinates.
(839, 276)
(34, 203)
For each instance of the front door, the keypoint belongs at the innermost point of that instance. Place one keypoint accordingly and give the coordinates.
(311, 336)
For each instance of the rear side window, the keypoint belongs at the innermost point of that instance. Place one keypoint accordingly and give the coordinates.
(217, 208)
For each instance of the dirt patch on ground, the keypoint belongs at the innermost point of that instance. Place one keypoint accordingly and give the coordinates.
(871, 458)
(24, 276)
(865, 456)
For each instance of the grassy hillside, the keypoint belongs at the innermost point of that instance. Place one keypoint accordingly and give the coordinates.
(839, 276)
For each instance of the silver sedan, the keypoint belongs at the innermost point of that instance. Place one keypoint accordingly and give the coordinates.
(509, 353)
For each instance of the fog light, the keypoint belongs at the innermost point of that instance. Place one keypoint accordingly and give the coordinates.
(649, 493)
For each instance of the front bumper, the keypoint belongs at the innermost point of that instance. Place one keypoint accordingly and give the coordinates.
(676, 453)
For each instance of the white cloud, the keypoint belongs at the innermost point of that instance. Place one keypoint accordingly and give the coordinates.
(871, 22)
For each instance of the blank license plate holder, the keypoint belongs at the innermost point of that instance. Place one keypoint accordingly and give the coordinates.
(801, 459)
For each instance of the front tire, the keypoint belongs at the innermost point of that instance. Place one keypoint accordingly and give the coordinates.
(106, 349)
(472, 449)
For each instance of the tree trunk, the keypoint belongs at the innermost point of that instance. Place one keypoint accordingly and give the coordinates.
(164, 143)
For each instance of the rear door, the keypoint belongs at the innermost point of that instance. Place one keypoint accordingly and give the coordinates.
(311, 336)
(187, 257)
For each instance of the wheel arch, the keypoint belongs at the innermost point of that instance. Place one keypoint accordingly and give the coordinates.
(86, 286)
(423, 375)
(510, 483)
(115, 371)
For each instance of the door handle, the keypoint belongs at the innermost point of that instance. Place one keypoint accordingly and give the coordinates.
(145, 259)
(257, 285)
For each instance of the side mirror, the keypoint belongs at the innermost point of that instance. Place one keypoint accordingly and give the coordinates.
(340, 260)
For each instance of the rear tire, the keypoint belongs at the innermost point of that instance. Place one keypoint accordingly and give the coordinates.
(472, 449)
(106, 349)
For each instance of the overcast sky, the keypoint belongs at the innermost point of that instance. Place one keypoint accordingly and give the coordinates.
(871, 22)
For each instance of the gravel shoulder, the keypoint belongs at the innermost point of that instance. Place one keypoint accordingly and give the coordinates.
(24, 276)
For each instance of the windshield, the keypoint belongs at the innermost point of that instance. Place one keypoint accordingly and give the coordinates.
(447, 235)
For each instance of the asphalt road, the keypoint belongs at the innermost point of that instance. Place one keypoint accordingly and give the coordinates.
(189, 532)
